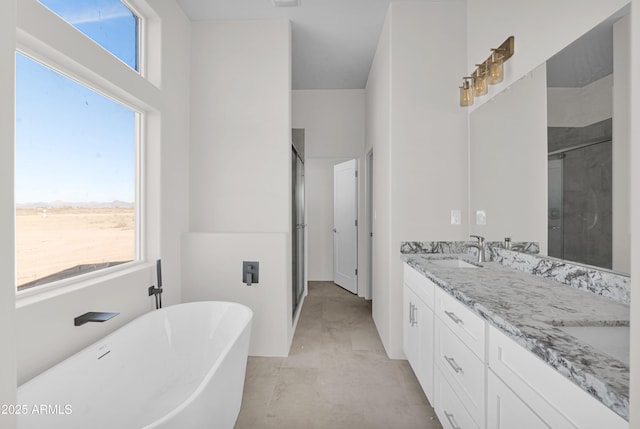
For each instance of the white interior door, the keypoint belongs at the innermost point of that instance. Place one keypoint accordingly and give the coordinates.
(345, 225)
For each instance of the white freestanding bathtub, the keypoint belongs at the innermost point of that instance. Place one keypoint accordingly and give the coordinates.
(179, 367)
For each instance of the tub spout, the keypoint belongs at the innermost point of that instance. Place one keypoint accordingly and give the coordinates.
(93, 316)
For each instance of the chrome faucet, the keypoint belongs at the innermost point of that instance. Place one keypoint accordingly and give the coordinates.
(480, 246)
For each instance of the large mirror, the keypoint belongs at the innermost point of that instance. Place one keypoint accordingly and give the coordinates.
(549, 158)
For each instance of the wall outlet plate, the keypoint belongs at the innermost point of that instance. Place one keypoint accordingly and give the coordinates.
(481, 217)
(456, 217)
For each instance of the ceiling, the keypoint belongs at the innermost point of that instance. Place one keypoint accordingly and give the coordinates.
(584, 61)
(333, 41)
(587, 59)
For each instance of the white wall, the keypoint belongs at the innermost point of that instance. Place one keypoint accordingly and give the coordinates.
(7, 211)
(334, 132)
(319, 216)
(212, 269)
(579, 107)
(174, 155)
(240, 170)
(44, 324)
(378, 123)
(508, 163)
(634, 402)
(419, 138)
(333, 121)
(621, 146)
(240, 126)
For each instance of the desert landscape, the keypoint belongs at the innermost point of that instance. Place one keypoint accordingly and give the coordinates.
(50, 240)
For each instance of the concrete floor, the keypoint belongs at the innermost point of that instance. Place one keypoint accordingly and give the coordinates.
(337, 374)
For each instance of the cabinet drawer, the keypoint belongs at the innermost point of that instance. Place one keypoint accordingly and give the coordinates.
(463, 322)
(451, 413)
(506, 410)
(552, 396)
(422, 286)
(464, 371)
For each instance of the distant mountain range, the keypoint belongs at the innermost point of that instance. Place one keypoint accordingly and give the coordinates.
(79, 205)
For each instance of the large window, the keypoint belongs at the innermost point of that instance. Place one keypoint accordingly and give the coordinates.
(75, 177)
(110, 23)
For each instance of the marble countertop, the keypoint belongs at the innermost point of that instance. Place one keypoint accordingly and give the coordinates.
(529, 309)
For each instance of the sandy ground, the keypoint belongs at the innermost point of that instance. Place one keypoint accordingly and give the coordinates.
(52, 240)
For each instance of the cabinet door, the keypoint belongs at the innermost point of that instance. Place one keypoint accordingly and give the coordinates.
(411, 340)
(506, 410)
(418, 341)
(425, 324)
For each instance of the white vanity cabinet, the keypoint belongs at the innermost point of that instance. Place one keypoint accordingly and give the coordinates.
(523, 388)
(460, 364)
(477, 377)
(418, 298)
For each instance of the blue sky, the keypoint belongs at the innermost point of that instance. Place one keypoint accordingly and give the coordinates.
(72, 144)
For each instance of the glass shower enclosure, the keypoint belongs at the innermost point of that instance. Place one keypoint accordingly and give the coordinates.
(580, 203)
(299, 225)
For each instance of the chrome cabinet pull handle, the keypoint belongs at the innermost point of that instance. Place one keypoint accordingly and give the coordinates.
(415, 319)
(452, 421)
(452, 362)
(453, 317)
(411, 314)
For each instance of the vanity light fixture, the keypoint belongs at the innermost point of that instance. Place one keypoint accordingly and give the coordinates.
(466, 92)
(490, 72)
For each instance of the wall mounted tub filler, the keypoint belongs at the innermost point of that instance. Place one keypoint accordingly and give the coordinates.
(157, 291)
(93, 316)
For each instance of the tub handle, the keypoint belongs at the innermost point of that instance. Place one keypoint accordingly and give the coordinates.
(250, 272)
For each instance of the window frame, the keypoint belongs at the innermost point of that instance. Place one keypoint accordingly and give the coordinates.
(139, 40)
(95, 79)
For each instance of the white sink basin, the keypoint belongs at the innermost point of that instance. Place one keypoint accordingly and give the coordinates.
(453, 263)
(610, 340)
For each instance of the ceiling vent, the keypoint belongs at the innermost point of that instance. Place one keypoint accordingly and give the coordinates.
(286, 3)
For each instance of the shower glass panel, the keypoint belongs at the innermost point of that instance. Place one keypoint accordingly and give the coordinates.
(298, 219)
(580, 228)
(555, 206)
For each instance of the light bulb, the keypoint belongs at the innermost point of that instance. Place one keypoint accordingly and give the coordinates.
(496, 68)
(480, 86)
(466, 93)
